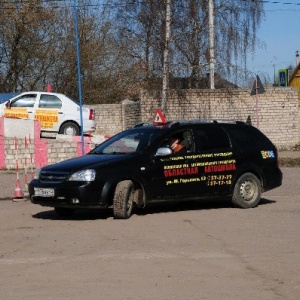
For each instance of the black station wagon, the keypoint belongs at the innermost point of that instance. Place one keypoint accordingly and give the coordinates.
(228, 160)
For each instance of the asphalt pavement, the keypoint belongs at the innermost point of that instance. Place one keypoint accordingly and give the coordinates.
(205, 250)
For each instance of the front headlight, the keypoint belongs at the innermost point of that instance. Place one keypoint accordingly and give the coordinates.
(83, 175)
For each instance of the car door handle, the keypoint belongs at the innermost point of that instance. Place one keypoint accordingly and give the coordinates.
(60, 112)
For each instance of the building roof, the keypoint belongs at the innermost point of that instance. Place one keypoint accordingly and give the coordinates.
(294, 73)
(295, 79)
(6, 96)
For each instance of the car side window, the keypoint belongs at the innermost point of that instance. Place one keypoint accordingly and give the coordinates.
(50, 101)
(24, 101)
(247, 137)
(183, 138)
(211, 138)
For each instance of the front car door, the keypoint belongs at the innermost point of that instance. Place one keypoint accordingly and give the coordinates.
(21, 106)
(175, 176)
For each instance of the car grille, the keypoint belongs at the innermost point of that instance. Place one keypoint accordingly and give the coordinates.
(47, 176)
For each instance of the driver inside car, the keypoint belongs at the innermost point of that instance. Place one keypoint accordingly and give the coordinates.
(177, 145)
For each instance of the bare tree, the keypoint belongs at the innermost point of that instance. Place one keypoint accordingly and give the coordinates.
(121, 44)
(25, 46)
(236, 23)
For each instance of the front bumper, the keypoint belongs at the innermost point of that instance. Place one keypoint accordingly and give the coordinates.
(69, 194)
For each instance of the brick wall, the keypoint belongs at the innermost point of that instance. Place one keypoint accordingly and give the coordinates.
(37, 153)
(275, 113)
(113, 118)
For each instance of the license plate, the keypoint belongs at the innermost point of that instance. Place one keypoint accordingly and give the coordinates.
(44, 192)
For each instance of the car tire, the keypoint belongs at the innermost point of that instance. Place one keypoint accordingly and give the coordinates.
(70, 128)
(247, 191)
(64, 212)
(123, 200)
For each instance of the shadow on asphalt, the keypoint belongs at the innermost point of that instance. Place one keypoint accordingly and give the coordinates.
(153, 208)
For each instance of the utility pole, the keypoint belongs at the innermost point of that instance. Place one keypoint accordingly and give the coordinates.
(211, 45)
(78, 72)
(166, 56)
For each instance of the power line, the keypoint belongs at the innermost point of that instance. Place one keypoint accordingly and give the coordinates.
(278, 2)
(63, 2)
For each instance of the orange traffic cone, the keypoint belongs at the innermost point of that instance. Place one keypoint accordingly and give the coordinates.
(18, 195)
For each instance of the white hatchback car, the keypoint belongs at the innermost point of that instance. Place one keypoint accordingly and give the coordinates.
(56, 112)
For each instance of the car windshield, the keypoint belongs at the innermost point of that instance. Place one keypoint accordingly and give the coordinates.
(130, 141)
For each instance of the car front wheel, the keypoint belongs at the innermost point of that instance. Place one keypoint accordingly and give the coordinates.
(247, 191)
(123, 200)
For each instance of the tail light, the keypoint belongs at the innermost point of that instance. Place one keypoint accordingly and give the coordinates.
(92, 115)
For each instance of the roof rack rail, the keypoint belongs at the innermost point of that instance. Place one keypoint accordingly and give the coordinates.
(174, 123)
(228, 121)
(208, 121)
(140, 125)
(152, 124)
(149, 123)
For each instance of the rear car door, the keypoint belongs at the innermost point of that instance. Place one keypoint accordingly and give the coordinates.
(216, 159)
(49, 112)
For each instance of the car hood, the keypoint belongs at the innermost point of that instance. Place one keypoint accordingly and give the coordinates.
(86, 162)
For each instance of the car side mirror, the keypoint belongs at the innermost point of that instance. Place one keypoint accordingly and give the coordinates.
(7, 104)
(163, 151)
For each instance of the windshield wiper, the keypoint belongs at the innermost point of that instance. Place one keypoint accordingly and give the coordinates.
(118, 152)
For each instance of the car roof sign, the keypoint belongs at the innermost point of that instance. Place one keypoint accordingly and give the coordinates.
(159, 117)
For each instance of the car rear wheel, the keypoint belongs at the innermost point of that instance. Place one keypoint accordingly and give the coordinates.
(64, 212)
(123, 200)
(69, 128)
(247, 191)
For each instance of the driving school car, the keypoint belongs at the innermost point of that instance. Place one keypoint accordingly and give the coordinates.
(56, 112)
(229, 160)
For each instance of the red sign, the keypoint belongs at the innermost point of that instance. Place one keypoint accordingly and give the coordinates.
(159, 117)
(49, 88)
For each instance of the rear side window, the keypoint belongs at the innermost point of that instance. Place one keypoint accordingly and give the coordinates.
(49, 101)
(211, 138)
(248, 137)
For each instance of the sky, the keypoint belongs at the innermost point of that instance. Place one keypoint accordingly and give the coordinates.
(280, 33)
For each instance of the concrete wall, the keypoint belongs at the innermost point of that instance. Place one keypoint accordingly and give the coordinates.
(21, 129)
